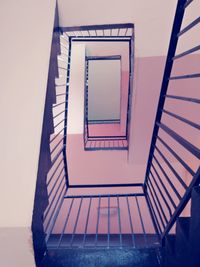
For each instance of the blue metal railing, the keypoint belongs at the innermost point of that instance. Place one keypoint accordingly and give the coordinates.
(57, 177)
(89, 211)
(163, 180)
(116, 33)
(52, 181)
(52, 178)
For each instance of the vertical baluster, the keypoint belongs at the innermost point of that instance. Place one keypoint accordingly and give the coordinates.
(65, 225)
(119, 222)
(142, 223)
(97, 226)
(131, 224)
(108, 221)
(86, 226)
(76, 222)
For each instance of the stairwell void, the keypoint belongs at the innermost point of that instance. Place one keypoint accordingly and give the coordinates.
(115, 215)
(142, 215)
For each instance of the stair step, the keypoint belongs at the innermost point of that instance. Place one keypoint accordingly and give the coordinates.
(170, 244)
(194, 235)
(169, 255)
(182, 231)
(182, 240)
(101, 257)
(90, 241)
(195, 213)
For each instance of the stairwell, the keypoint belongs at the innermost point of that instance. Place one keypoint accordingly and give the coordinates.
(180, 249)
(165, 191)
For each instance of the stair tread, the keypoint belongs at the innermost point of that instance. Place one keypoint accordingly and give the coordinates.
(170, 244)
(194, 250)
(195, 205)
(195, 215)
(183, 227)
(102, 257)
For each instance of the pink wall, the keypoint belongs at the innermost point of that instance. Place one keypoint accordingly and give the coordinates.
(89, 167)
(148, 72)
(86, 167)
(104, 129)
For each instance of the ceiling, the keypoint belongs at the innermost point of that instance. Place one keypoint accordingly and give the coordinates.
(153, 19)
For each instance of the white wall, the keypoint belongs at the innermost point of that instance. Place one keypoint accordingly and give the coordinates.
(16, 247)
(26, 32)
(76, 89)
(153, 19)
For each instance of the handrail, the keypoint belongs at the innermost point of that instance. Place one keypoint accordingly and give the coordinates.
(159, 186)
(167, 72)
(97, 27)
(52, 176)
(106, 142)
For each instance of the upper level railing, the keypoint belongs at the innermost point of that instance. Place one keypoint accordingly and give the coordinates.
(173, 163)
(97, 140)
(106, 33)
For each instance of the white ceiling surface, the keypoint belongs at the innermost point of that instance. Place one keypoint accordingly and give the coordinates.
(153, 19)
(104, 89)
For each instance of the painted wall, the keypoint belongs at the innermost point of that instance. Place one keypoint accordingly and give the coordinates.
(26, 34)
(153, 25)
(153, 20)
(16, 247)
(148, 71)
(76, 89)
(25, 48)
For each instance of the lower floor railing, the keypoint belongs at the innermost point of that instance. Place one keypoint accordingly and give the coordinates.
(104, 220)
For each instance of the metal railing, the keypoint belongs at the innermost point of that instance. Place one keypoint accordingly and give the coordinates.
(57, 177)
(162, 195)
(98, 142)
(98, 221)
(52, 177)
(173, 152)
(105, 33)
(52, 180)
